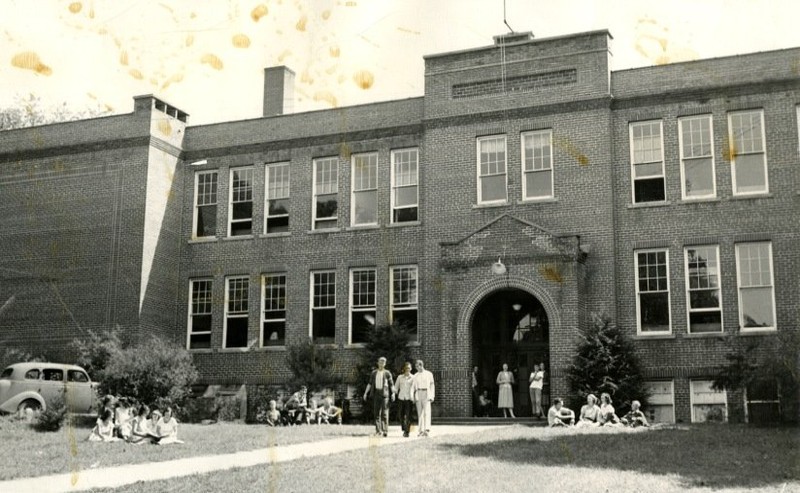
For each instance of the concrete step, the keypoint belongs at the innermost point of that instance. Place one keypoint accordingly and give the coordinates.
(489, 421)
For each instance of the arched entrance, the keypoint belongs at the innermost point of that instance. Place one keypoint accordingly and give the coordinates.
(511, 326)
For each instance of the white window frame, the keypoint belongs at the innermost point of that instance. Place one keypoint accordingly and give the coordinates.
(684, 158)
(698, 381)
(663, 175)
(315, 163)
(369, 157)
(361, 308)
(671, 383)
(235, 314)
(689, 309)
(739, 287)
(525, 171)
(269, 169)
(479, 176)
(395, 186)
(252, 171)
(638, 292)
(191, 313)
(197, 205)
(264, 319)
(735, 151)
(403, 306)
(311, 306)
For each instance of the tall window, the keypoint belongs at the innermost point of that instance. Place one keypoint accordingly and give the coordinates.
(537, 169)
(362, 304)
(205, 204)
(241, 202)
(364, 208)
(748, 154)
(326, 192)
(703, 294)
(405, 193)
(323, 306)
(492, 170)
(235, 331)
(404, 296)
(661, 403)
(200, 314)
(707, 404)
(652, 291)
(273, 322)
(647, 162)
(756, 288)
(697, 157)
(277, 216)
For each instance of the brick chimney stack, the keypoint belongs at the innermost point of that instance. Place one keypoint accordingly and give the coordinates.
(278, 90)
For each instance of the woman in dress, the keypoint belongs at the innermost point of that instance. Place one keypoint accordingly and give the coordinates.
(167, 428)
(103, 431)
(122, 418)
(608, 416)
(140, 427)
(590, 413)
(505, 397)
(536, 382)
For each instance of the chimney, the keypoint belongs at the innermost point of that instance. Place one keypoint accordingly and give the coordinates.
(278, 90)
(505, 39)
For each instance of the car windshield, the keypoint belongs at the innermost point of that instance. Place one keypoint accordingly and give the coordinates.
(7, 373)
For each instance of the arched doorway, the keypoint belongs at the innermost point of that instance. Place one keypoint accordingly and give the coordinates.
(511, 326)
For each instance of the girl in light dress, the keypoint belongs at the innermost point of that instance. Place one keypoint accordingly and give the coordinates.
(141, 431)
(167, 428)
(590, 413)
(608, 416)
(103, 431)
(505, 397)
(122, 418)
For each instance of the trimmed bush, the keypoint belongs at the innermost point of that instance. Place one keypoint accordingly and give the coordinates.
(52, 418)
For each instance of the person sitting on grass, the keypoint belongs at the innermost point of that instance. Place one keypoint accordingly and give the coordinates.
(329, 411)
(273, 415)
(313, 412)
(103, 431)
(590, 413)
(608, 416)
(167, 428)
(122, 418)
(558, 415)
(140, 427)
(635, 417)
(296, 406)
(484, 404)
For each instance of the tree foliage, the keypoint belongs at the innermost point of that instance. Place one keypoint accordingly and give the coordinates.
(606, 362)
(30, 111)
(312, 366)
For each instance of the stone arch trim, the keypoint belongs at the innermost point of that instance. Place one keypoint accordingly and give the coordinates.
(479, 293)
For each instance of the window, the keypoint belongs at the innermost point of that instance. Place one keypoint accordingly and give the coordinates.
(697, 157)
(236, 312)
(364, 208)
(652, 291)
(277, 216)
(537, 170)
(756, 292)
(748, 155)
(241, 202)
(53, 375)
(405, 192)
(492, 170)
(29, 375)
(647, 161)
(707, 404)
(326, 192)
(323, 306)
(661, 403)
(403, 297)
(77, 376)
(362, 304)
(273, 324)
(200, 314)
(205, 204)
(763, 399)
(703, 292)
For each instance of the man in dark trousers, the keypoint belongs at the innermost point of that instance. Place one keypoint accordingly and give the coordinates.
(382, 386)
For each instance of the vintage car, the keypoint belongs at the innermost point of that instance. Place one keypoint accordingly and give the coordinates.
(37, 385)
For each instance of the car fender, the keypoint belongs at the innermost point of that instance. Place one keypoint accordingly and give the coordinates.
(10, 406)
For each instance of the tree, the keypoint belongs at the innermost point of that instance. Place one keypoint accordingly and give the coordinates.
(97, 350)
(606, 362)
(312, 366)
(30, 111)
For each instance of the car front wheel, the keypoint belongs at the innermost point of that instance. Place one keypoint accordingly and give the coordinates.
(28, 407)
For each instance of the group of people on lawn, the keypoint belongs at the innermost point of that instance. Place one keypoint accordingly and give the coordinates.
(122, 419)
(299, 409)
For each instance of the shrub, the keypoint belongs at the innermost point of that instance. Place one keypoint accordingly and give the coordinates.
(11, 355)
(51, 418)
(311, 366)
(228, 408)
(96, 351)
(605, 362)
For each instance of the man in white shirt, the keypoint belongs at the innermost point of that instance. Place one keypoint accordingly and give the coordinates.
(423, 391)
(382, 386)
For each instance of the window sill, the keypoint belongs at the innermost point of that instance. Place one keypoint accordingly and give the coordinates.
(491, 205)
(699, 200)
(645, 205)
(645, 337)
(757, 332)
(543, 200)
(238, 238)
(362, 227)
(275, 235)
(201, 351)
(404, 224)
(233, 350)
(355, 345)
(752, 196)
(269, 349)
(322, 231)
(205, 239)
(326, 345)
(705, 335)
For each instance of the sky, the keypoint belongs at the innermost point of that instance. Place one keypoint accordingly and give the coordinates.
(207, 57)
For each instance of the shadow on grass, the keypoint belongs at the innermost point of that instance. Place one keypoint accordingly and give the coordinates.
(713, 455)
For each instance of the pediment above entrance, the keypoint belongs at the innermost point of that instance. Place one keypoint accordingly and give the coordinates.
(509, 237)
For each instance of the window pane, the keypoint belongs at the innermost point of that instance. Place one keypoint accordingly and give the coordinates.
(201, 323)
(236, 332)
(327, 206)
(366, 207)
(361, 323)
(538, 184)
(705, 322)
(698, 174)
(407, 318)
(278, 207)
(242, 210)
(206, 221)
(405, 215)
(242, 228)
(654, 312)
(324, 325)
(651, 190)
(274, 332)
(493, 188)
(650, 169)
(200, 341)
(704, 298)
(405, 196)
(757, 307)
(750, 173)
(278, 224)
